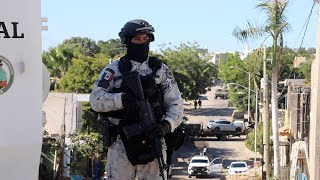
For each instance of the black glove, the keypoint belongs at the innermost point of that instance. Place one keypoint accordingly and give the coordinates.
(162, 129)
(129, 101)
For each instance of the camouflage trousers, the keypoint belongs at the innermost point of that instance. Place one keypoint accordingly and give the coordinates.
(119, 167)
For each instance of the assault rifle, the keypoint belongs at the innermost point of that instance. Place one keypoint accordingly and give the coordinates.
(147, 121)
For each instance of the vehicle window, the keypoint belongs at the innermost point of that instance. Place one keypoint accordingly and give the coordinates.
(217, 161)
(225, 122)
(199, 161)
(238, 115)
(238, 165)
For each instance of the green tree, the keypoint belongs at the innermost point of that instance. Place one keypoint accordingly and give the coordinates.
(191, 68)
(84, 145)
(228, 75)
(82, 46)
(249, 142)
(311, 51)
(112, 48)
(57, 60)
(275, 26)
(237, 95)
(82, 73)
(305, 70)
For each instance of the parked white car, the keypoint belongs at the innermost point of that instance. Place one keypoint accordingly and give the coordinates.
(224, 125)
(238, 168)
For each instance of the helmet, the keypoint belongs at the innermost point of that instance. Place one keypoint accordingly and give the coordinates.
(134, 27)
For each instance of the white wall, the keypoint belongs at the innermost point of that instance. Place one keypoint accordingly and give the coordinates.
(63, 108)
(20, 106)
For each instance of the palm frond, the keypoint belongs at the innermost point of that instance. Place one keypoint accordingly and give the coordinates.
(250, 32)
(276, 20)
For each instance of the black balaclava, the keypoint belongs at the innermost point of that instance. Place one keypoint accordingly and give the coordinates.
(137, 52)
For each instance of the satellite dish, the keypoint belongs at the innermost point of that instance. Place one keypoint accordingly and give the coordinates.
(45, 82)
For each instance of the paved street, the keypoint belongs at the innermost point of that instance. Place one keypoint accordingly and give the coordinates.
(231, 150)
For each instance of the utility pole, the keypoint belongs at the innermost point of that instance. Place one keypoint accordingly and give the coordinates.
(249, 89)
(266, 116)
(255, 131)
(63, 138)
(314, 138)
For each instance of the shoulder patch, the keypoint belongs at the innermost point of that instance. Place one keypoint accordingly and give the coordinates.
(107, 75)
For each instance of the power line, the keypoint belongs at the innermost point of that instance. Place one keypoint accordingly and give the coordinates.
(305, 25)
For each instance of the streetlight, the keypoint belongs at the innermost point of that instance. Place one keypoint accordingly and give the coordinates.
(249, 84)
(241, 86)
(255, 122)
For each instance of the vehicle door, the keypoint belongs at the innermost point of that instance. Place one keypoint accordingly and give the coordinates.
(216, 165)
(232, 126)
(227, 126)
(222, 125)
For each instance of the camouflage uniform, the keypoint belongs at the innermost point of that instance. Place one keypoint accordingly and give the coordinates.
(118, 166)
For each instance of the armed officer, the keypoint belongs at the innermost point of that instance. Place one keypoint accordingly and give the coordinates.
(134, 157)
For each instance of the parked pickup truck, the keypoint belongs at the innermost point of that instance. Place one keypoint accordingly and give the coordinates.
(200, 165)
(222, 93)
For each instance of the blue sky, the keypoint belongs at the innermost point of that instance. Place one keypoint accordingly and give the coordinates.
(208, 22)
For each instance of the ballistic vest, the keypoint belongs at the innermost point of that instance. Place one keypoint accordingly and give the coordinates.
(152, 91)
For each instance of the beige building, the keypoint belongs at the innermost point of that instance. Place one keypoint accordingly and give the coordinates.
(294, 133)
(217, 57)
(298, 61)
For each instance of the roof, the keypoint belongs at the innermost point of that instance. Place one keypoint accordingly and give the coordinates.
(294, 82)
(285, 130)
(238, 162)
(200, 157)
(220, 120)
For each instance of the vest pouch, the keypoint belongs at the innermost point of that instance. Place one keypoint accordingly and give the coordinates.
(138, 149)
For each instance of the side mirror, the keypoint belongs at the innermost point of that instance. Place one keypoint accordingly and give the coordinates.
(248, 166)
(228, 167)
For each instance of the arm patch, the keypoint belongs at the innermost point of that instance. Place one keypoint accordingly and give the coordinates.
(107, 76)
(104, 83)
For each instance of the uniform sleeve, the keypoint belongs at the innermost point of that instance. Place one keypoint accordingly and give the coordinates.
(101, 99)
(173, 103)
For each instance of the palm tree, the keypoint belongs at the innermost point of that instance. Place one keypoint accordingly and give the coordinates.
(274, 26)
(58, 60)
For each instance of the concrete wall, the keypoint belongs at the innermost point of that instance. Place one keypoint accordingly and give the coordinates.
(20, 103)
(63, 108)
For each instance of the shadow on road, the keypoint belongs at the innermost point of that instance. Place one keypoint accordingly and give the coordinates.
(203, 98)
(232, 138)
(191, 148)
(209, 112)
